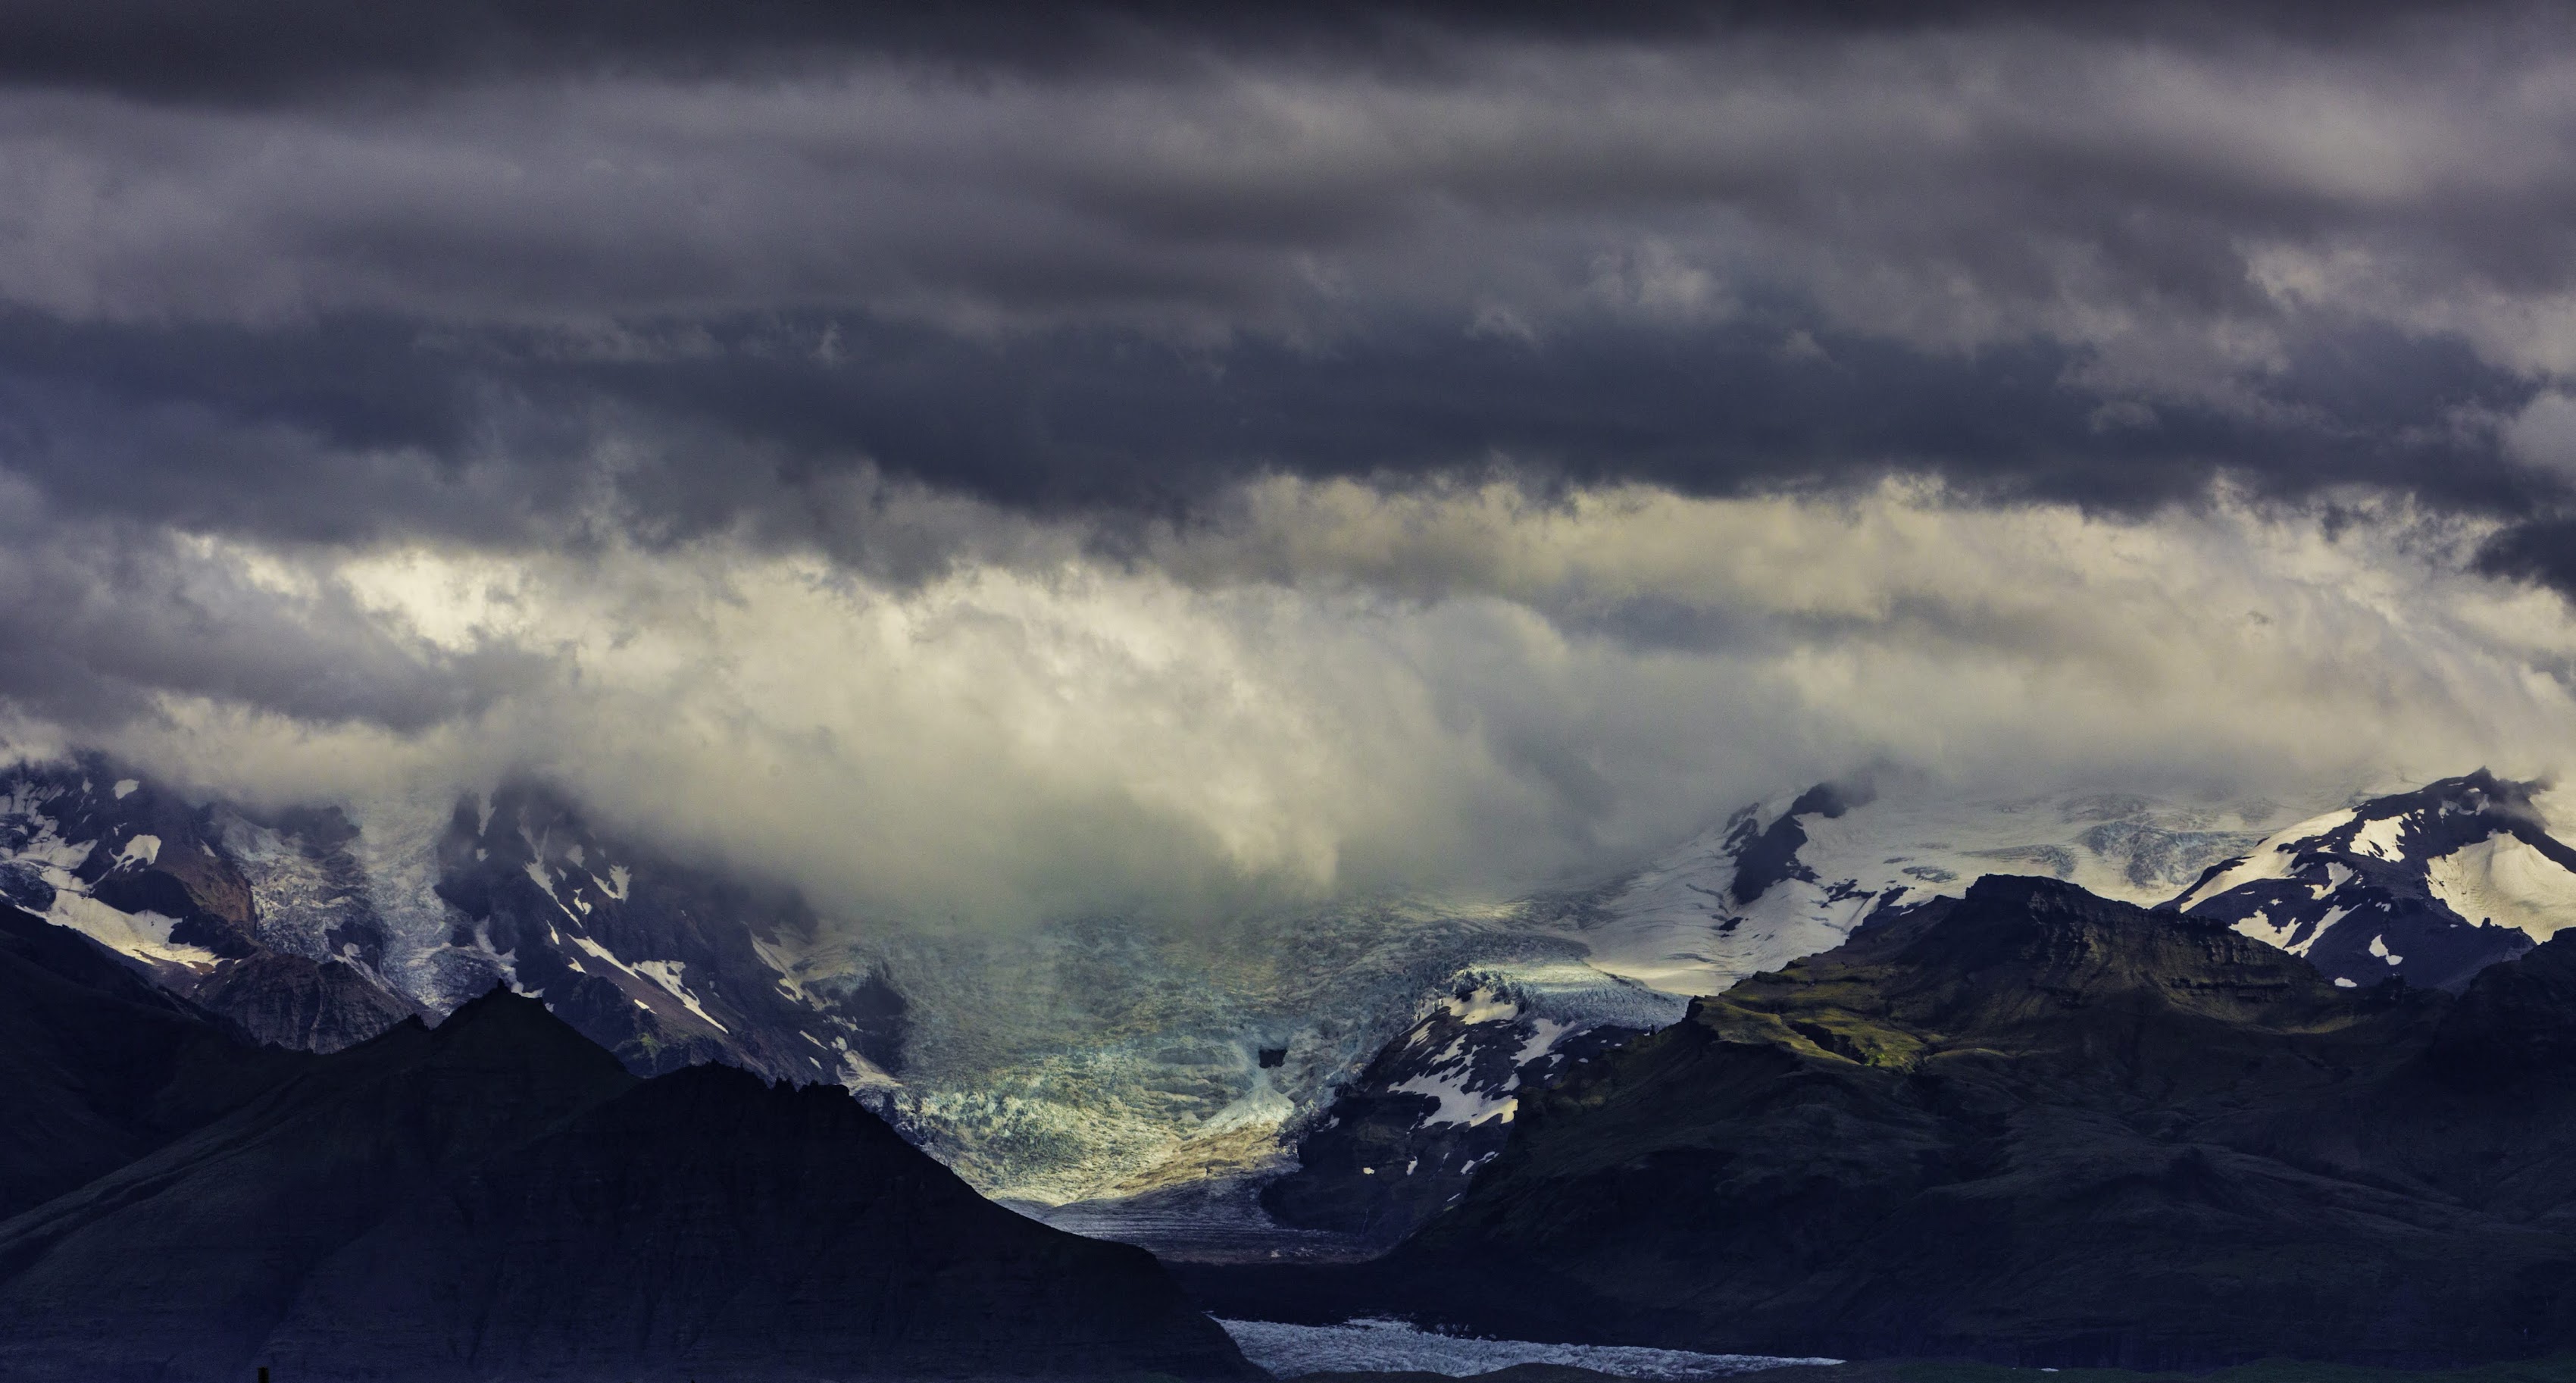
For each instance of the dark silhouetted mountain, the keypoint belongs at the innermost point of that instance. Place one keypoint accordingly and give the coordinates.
(2036, 1126)
(181, 1263)
(99, 1066)
(709, 1223)
(498, 1196)
(2434, 885)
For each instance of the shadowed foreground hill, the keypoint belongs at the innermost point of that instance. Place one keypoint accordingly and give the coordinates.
(2037, 1126)
(497, 1197)
(99, 1066)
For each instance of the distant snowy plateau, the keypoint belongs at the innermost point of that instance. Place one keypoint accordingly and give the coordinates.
(1313, 1084)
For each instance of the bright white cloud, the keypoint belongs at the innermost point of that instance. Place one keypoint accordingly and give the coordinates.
(1338, 688)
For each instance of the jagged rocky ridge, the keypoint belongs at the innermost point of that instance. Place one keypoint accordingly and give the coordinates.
(274, 920)
(663, 964)
(2040, 1127)
(1407, 1133)
(498, 1197)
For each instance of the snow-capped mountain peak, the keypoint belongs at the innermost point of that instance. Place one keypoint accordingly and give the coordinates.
(2431, 885)
(1793, 876)
(314, 930)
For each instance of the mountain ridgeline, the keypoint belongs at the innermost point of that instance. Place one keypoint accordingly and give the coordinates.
(2430, 886)
(2317, 1103)
(499, 1197)
(292, 926)
(2041, 1127)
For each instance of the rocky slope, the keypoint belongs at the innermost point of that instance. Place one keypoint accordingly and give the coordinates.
(2041, 1127)
(1404, 1136)
(308, 935)
(498, 1197)
(662, 963)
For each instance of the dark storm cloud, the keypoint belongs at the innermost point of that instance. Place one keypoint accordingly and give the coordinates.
(360, 431)
(2543, 550)
(517, 273)
(281, 49)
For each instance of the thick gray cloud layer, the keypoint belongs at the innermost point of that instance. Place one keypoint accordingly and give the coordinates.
(2092, 261)
(1116, 298)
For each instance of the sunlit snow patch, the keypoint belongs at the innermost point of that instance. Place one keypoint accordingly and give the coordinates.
(2277, 858)
(2504, 880)
(1693, 922)
(1383, 1346)
(145, 935)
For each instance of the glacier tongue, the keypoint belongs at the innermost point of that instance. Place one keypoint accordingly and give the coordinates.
(1112, 1058)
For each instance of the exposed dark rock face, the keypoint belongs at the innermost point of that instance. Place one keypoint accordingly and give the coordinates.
(136, 848)
(149, 851)
(23, 886)
(1402, 1139)
(303, 1004)
(272, 918)
(659, 962)
(1769, 855)
(2039, 1127)
(499, 1197)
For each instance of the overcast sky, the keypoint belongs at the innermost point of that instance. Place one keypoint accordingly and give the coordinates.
(1149, 456)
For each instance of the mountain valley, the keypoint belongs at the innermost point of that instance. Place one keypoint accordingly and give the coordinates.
(1337, 1085)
